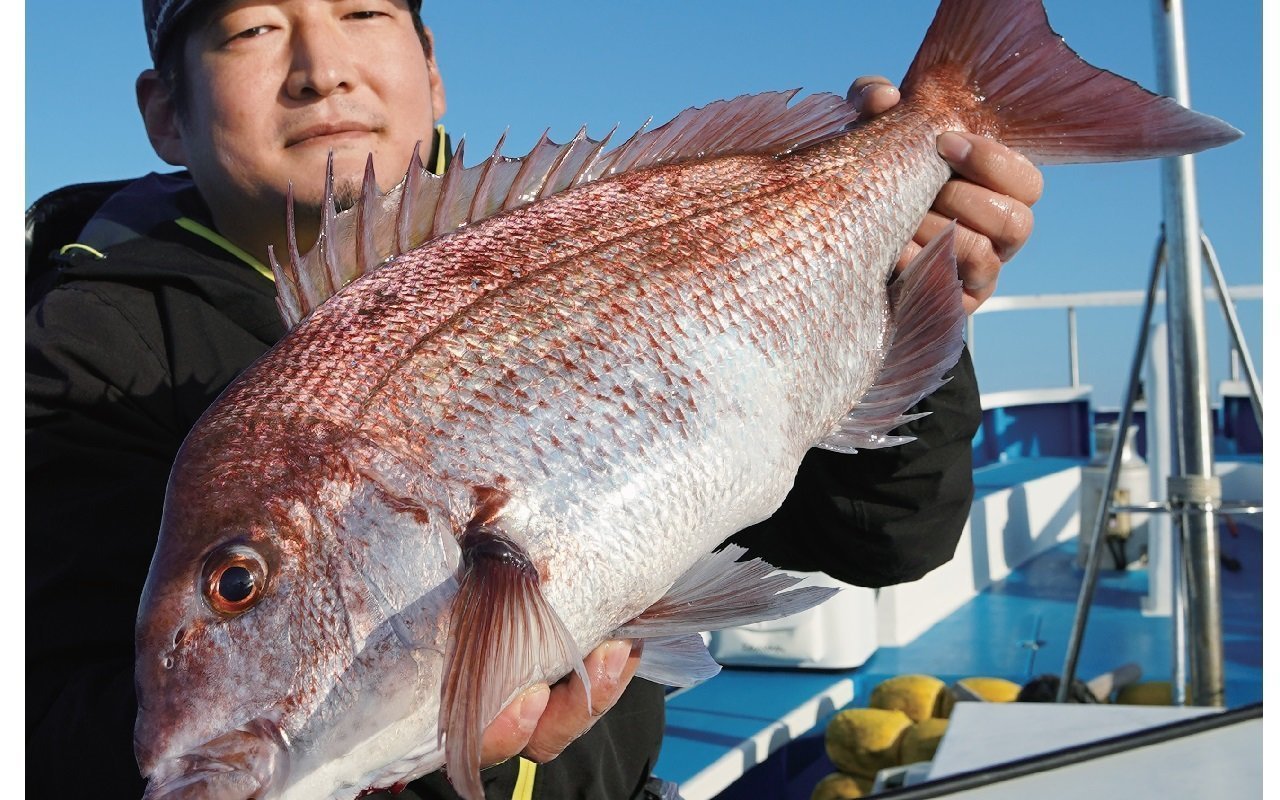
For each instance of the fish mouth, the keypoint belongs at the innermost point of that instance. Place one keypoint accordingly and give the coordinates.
(244, 764)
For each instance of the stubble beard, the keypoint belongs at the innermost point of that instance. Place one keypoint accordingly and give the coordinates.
(346, 193)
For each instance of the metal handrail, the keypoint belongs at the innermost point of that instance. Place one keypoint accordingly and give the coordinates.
(1135, 297)
(1071, 302)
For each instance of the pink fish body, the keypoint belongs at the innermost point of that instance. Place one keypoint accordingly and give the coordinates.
(471, 465)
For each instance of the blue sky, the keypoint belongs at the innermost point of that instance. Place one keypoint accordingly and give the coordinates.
(529, 66)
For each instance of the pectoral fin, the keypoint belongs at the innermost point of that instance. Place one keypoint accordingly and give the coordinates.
(926, 337)
(504, 636)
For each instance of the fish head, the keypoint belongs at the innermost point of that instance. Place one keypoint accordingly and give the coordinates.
(269, 641)
(214, 659)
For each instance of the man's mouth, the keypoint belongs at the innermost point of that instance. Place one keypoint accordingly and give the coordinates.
(327, 133)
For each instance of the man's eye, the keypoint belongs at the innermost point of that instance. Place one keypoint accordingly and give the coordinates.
(250, 33)
(365, 15)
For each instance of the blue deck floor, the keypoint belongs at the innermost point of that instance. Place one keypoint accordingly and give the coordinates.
(1016, 629)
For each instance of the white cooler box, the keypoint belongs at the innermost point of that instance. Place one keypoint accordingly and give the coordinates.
(838, 634)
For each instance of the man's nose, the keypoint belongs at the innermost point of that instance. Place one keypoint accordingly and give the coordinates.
(321, 65)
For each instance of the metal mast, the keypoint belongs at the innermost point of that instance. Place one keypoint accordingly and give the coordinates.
(1193, 490)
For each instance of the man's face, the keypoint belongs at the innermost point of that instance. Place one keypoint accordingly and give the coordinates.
(272, 87)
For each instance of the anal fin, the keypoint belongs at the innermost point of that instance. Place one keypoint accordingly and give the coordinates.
(676, 661)
(927, 331)
(718, 591)
(503, 637)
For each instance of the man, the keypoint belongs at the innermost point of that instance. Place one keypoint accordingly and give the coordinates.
(159, 299)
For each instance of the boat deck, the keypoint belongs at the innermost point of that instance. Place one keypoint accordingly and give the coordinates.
(752, 733)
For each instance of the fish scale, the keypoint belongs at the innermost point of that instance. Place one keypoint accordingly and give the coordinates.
(463, 470)
(649, 263)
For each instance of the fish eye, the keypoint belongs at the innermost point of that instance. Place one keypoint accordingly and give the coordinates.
(235, 577)
(236, 584)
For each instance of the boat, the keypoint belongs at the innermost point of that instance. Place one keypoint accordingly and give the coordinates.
(1004, 607)
(1118, 585)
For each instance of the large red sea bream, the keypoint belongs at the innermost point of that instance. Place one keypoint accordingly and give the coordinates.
(573, 377)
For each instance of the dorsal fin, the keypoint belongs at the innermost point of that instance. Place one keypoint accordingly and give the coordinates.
(383, 225)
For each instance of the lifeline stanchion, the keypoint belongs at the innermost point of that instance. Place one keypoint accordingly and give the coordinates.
(1233, 325)
(1084, 600)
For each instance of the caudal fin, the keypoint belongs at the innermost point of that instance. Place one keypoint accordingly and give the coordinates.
(1032, 92)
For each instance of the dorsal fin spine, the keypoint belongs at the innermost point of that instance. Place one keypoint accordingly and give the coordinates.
(486, 178)
(286, 297)
(367, 253)
(446, 205)
(571, 171)
(327, 256)
(291, 230)
(448, 192)
(404, 214)
(620, 162)
(551, 185)
(518, 190)
(584, 172)
(309, 294)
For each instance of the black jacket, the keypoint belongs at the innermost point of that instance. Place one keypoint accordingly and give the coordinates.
(128, 342)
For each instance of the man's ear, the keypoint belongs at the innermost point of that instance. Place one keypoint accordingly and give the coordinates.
(160, 118)
(438, 105)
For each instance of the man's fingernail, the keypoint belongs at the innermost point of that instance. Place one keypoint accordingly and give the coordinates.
(953, 147)
(859, 98)
(615, 659)
(532, 703)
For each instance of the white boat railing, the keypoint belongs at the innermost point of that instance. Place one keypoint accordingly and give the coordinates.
(1070, 302)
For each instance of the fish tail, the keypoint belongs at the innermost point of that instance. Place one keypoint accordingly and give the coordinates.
(1020, 83)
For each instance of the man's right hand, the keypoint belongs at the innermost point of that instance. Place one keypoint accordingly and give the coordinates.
(543, 720)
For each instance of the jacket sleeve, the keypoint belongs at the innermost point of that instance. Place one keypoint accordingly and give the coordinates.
(99, 441)
(887, 516)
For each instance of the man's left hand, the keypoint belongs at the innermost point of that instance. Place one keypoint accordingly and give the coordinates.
(990, 196)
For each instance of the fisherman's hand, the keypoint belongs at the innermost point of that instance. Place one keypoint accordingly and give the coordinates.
(544, 720)
(990, 195)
